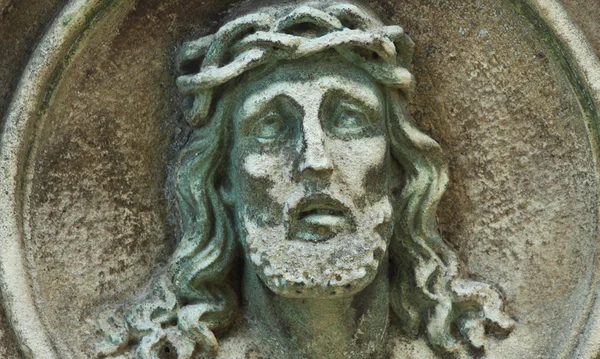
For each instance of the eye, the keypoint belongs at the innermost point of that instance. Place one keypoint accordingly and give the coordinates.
(349, 118)
(269, 128)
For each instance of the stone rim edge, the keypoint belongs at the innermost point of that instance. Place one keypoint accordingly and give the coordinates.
(24, 111)
(580, 55)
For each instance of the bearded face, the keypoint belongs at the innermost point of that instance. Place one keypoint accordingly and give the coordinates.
(309, 171)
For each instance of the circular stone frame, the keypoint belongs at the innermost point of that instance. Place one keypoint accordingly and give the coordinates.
(35, 92)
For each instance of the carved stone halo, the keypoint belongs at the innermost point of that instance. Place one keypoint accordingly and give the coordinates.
(270, 193)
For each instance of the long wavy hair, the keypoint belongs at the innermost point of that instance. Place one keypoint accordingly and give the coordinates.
(193, 299)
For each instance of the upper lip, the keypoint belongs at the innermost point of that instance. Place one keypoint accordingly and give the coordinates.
(320, 204)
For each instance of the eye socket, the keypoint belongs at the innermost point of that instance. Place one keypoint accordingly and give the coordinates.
(349, 118)
(269, 128)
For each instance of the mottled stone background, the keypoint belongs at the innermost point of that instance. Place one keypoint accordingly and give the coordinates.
(522, 177)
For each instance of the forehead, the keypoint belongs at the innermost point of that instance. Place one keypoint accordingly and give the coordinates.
(307, 81)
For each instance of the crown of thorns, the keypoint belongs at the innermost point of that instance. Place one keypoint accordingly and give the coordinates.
(257, 39)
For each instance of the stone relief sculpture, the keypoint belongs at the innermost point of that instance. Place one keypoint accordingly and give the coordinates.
(305, 166)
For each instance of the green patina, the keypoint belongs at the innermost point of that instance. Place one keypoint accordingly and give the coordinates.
(266, 131)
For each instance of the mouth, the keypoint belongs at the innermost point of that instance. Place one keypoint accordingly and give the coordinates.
(319, 218)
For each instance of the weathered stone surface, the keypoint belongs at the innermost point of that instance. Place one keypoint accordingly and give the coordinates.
(8, 345)
(488, 90)
(522, 173)
(586, 14)
(106, 146)
(21, 24)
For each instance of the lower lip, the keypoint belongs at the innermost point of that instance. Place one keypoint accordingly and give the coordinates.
(320, 227)
(327, 220)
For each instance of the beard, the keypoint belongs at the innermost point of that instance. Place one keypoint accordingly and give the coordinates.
(342, 264)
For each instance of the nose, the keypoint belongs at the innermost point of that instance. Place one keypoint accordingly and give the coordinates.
(315, 157)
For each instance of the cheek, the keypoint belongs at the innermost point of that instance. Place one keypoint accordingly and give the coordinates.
(358, 160)
(266, 177)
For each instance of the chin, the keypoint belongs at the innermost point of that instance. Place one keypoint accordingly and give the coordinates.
(339, 267)
(323, 290)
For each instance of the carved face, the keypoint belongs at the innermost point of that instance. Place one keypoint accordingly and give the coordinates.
(309, 169)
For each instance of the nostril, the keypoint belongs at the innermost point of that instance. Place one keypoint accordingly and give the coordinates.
(318, 163)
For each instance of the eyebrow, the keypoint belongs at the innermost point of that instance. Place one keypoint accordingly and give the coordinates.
(262, 100)
(257, 103)
(350, 96)
(351, 88)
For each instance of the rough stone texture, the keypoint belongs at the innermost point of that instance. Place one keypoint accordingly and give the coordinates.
(521, 175)
(20, 26)
(101, 167)
(8, 344)
(586, 14)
